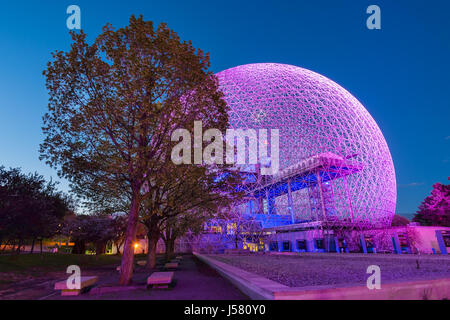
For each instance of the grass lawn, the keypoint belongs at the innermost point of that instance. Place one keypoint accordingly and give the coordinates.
(17, 267)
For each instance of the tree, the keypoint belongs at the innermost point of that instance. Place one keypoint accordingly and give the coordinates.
(399, 220)
(114, 104)
(30, 207)
(435, 209)
(179, 225)
(240, 226)
(186, 190)
(120, 229)
(95, 229)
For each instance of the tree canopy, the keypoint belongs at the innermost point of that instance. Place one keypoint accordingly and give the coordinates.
(399, 220)
(30, 207)
(184, 190)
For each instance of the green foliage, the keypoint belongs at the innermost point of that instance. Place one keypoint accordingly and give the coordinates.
(187, 189)
(112, 108)
(114, 104)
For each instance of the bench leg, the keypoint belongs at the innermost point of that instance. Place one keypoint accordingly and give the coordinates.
(160, 285)
(69, 292)
(75, 292)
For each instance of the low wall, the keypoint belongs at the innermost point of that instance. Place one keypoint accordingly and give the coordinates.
(254, 286)
(260, 288)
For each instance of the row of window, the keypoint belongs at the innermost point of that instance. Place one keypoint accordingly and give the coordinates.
(319, 244)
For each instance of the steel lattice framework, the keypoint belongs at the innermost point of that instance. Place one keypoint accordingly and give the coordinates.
(333, 156)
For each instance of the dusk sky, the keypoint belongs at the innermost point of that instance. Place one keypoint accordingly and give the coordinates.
(399, 73)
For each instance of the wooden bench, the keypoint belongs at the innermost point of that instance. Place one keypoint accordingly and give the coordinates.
(160, 279)
(171, 265)
(142, 262)
(85, 284)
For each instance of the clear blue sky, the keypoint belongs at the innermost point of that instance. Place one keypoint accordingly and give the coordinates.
(400, 73)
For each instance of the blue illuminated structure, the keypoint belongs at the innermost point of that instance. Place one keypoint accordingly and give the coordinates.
(316, 173)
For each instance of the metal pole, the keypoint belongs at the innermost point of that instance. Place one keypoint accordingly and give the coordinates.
(348, 199)
(290, 202)
(322, 202)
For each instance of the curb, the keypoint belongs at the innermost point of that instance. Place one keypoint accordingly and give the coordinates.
(260, 288)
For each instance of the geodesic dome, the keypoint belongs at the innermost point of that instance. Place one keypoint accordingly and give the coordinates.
(321, 125)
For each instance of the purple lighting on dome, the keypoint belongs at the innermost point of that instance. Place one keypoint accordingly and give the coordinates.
(316, 117)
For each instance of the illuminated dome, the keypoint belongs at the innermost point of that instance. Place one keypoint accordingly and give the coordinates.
(318, 120)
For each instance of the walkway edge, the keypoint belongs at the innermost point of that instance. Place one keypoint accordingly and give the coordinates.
(260, 288)
(254, 286)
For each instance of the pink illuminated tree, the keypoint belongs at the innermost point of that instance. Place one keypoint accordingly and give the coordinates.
(435, 209)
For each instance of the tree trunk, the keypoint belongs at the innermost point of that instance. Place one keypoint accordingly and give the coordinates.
(126, 268)
(149, 246)
(32, 245)
(171, 247)
(152, 247)
(7, 243)
(79, 247)
(169, 242)
(100, 248)
(167, 249)
(118, 245)
(153, 235)
(19, 246)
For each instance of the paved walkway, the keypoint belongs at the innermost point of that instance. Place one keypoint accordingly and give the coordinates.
(193, 281)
